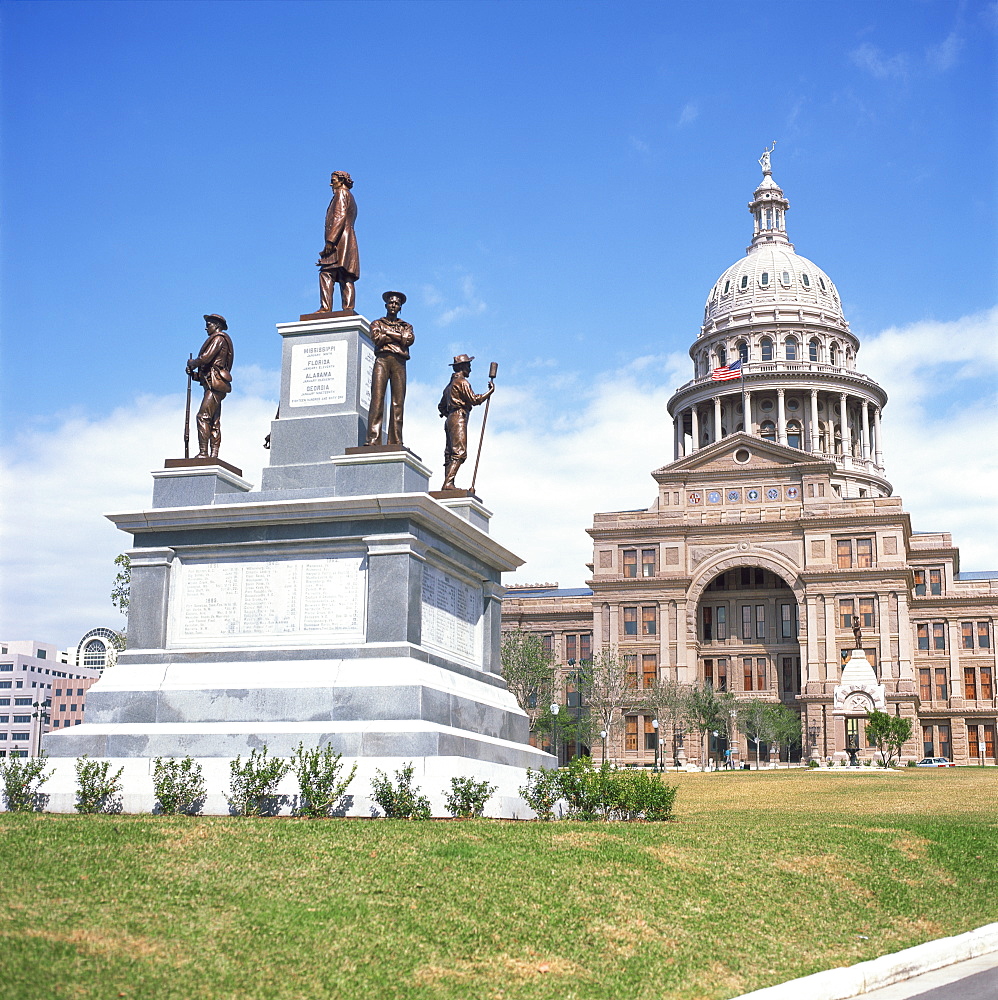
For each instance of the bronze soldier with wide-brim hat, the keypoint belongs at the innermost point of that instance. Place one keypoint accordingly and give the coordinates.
(455, 405)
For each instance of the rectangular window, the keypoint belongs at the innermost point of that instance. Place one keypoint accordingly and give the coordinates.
(925, 684)
(631, 621)
(571, 647)
(760, 621)
(852, 734)
(41, 654)
(846, 611)
(843, 553)
(722, 622)
(547, 644)
(989, 742)
(935, 581)
(649, 562)
(939, 635)
(631, 733)
(4, 701)
(920, 583)
(5, 684)
(707, 624)
(789, 680)
(20, 736)
(788, 622)
(746, 621)
(22, 701)
(649, 621)
(945, 750)
(4, 718)
(747, 673)
(864, 553)
(973, 744)
(983, 636)
(760, 673)
(630, 562)
(6, 667)
(631, 670)
(866, 612)
(922, 631)
(722, 673)
(967, 634)
(649, 668)
(586, 646)
(3, 736)
(651, 733)
(987, 690)
(72, 708)
(970, 683)
(941, 685)
(22, 718)
(708, 672)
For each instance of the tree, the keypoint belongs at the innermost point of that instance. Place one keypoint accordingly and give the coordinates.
(602, 683)
(527, 670)
(705, 709)
(786, 727)
(755, 722)
(122, 583)
(664, 699)
(889, 733)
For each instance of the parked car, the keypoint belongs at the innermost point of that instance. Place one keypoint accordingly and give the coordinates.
(935, 762)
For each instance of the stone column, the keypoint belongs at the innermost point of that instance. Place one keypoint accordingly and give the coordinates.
(781, 416)
(876, 431)
(844, 418)
(815, 430)
(865, 440)
(717, 418)
(833, 662)
(887, 669)
(695, 427)
(677, 435)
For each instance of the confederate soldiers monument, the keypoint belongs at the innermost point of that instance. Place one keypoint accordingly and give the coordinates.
(339, 603)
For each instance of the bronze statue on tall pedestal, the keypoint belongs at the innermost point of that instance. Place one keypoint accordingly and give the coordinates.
(392, 339)
(212, 368)
(455, 405)
(339, 262)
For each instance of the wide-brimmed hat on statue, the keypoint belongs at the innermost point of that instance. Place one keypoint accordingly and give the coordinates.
(462, 359)
(219, 321)
(387, 295)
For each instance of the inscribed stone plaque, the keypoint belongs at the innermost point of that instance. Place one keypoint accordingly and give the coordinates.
(269, 602)
(319, 374)
(366, 374)
(451, 615)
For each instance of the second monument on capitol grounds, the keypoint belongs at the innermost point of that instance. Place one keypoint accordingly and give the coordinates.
(341, 603)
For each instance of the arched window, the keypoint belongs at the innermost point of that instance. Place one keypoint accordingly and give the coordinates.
(790, 349)
(744, 282)
(764, 279)
(794, 433)
(768, 430)
(95, 654)
(786, 277)
(742, 349)
(805, 280)
(813, 350)
(727, 285)
(767, 349)
(722, 357)
(833, 353)
(821, 281)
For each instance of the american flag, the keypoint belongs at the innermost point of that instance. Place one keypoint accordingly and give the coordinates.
(726, 372)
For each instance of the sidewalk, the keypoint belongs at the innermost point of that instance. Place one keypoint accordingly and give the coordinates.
(974, 979)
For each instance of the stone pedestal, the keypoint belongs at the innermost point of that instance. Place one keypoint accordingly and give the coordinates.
(340, 604)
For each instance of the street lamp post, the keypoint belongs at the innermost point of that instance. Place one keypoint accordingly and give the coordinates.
(658, 743)
(555, 708)
(42, 715)
(602, 734)
(731, 739)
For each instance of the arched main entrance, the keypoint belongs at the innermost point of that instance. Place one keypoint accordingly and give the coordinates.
(747, 624)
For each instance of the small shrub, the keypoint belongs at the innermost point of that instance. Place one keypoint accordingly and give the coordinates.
(179, 785)
(813, 764)
(254, 784)
(467, 797)
(318, 772)
(22, 778)
(542, 791)
(640, 794)
(911, 763)
(99, 791)
(401, 801)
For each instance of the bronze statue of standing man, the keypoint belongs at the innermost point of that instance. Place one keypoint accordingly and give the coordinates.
(213, 369)
(455, 405)
(339, 262)
(392, 339)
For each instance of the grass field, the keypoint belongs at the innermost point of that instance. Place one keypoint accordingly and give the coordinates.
(761, 877)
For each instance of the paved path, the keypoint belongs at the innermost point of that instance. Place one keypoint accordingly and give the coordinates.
(974, 979)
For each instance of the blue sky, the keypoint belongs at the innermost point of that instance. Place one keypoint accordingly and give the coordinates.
(555, 186)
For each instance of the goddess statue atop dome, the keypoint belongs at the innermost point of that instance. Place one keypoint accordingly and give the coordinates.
(764, 160)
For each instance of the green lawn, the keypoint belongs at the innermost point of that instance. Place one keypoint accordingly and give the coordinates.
(761, 877)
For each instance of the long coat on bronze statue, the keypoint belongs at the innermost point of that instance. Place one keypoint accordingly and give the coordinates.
(213, 369)
(455, 405)
(339, 262)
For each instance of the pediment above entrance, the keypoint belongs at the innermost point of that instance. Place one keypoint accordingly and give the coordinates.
(743, 454)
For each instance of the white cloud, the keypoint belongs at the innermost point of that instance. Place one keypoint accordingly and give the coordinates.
(867, 56)
(689, 114)
(940, 424)
(471, 304)
(944, 56)
(558, 448)
(639, 145)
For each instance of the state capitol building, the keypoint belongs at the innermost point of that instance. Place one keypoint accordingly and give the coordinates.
(773, 532)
